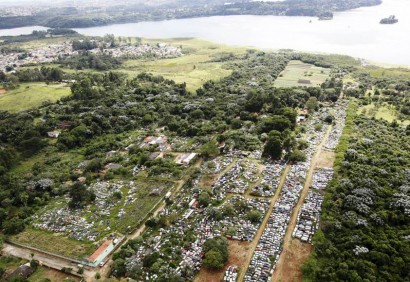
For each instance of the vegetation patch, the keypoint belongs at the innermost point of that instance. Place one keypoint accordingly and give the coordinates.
(32, 95)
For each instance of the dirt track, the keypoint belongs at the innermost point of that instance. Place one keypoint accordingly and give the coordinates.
(295, 253)
(44, 259)
(259, 233)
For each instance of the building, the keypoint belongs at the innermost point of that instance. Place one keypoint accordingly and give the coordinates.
(185, 159)
(54, 134)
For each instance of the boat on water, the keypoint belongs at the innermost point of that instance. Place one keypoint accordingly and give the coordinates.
(390, 20)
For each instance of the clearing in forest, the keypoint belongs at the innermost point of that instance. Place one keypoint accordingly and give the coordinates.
(202, 61)
(298, 73)
(32, 95)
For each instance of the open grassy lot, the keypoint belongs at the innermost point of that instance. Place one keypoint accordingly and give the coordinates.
(45, 42)
(392, 72)
(194, 68)
(32, 95)
(297, 71)
(10, 263)
(55, 243)
(385, 112)
(197, 66)
(136, 212)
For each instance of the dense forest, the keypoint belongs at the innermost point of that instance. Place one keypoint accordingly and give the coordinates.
(365, 219)
(74, 18)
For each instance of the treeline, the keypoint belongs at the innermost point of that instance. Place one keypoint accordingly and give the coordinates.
(63, 18)
(87, 60)
(365, 225)
(37, 34)
(39, 74)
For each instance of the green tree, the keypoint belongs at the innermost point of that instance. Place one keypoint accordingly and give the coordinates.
(273, 148)
(214, 260)
(209, 149)
(311, 104)
(13, 226)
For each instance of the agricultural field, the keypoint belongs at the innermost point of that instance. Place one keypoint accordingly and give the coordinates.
(32, 95)
(298, 73)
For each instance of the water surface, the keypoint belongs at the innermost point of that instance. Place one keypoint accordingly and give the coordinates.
(356, 33)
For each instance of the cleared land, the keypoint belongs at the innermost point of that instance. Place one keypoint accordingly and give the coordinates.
(32, 95)
(298, 73)
(238, 252)
(295, 255)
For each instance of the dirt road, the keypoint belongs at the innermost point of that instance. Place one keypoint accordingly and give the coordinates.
(292, 257)
(259, 233)
(44, 259)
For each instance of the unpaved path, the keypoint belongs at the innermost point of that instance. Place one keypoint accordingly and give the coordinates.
(44, 259)
(259, 233)
(293, 257)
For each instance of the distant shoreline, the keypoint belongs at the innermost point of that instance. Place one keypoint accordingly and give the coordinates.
(65, 18)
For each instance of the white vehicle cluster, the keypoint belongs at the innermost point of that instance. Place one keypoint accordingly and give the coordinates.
(237, 179)
(231, 274)
(75, 223)
(45, 54)
(339, 124)
(269, 247)
(308, 217)
(270, 179)
(132, 51)
(321, 178)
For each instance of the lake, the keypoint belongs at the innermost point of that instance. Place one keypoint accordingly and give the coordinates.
(356, 33)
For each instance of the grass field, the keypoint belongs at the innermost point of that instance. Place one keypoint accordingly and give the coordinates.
(136, 212)
(385, 112)
(297, 70)
(194, 68)
(55, 243)
(32, 95)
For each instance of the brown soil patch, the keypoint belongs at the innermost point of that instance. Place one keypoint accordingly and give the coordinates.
(2, 91)
(289, 268)
(326, 159)
(238, 251)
